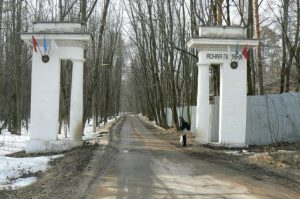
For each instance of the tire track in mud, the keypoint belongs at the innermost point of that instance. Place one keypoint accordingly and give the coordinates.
(234, 164)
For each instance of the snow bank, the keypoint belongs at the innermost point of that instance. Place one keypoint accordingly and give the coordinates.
(15, 172)
(10, 143)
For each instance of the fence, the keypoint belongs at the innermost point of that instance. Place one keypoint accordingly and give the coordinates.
(182, 111)
(273, 118)
(270, 118)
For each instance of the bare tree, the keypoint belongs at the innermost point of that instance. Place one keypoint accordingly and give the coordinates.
(1, 63)
(292, 47)
(219, 13)
(284, 39)
(92, 95)
(258, 51)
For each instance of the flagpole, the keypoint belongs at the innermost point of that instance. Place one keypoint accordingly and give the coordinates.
(49, 48)
(45, 45)
(40, 50)
(38, 46)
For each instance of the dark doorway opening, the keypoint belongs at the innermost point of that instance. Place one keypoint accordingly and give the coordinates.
(214, 97)
(65, 96)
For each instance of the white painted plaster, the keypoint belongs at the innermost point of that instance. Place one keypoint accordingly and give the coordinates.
(76, 112)
(58, 27)
(222, 32)
(221, 44)
(46, 86)
(44, 98)
(202, 110)
(233, 104)
(233, 97)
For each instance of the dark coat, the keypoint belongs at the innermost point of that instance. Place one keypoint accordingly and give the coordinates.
(184, 125)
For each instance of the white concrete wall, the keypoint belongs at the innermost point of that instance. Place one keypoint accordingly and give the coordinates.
(202, 109)
(45, 92)
(233, 104)
(169, 116)
(222, 32)
(44, 98)
(76, 112)
(232, 111)
(182, 111)
(58, 27)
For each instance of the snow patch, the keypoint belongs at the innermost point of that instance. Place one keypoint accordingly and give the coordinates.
(18, 172)
(22, 182)
(11, 169)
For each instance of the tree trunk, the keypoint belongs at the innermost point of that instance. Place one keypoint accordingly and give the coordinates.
(228, 12)
(60, 7)
(193, 19)
(258, 51)
(91, 94)
(169, 62)
(297, 53)
(219, 12)
(16, 44)
(250, 65)
(297, 57)
(284, 39)
(156, 81)
(293, 49)
(1, 65)
(83, 11)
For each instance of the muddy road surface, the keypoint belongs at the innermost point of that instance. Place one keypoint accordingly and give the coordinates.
(144, 166)
(143, 161)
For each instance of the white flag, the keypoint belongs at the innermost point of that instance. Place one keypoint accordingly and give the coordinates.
(54, 44)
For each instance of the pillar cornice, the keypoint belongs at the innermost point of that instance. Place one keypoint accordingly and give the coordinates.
(78, 60)
(200, 64)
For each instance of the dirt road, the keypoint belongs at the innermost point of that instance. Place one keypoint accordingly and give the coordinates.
(141, 163)
(147, 167)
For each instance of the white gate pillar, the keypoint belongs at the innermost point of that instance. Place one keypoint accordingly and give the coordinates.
(76, 112)
(58, 41)
(233, 104)
(223, 46)
(202, 110)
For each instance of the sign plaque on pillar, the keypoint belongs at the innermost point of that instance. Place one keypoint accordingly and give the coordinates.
(234, 64)
(45, 58)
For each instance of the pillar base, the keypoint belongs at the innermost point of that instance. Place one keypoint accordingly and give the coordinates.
(228, 145)
(41, 146)
(202, 137)
(200, 142)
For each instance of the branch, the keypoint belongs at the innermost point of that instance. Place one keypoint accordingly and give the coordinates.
(184, 51)
(180, 49)
(69, 9)
(91, 10)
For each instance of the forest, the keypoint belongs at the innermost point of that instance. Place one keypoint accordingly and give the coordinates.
(138, 60)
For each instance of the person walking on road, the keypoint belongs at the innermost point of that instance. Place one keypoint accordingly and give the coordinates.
(184, 128)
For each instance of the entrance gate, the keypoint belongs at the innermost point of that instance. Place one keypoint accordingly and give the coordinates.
(51, 43)
(223, 46)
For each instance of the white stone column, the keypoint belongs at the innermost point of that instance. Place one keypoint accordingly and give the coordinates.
(45, 84)
(202, 110)
(76, 112)
(233, 104)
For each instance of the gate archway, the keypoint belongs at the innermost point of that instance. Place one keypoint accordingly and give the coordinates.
(53, 42)
(223, 46)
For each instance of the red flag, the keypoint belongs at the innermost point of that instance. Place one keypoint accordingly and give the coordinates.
(34, 43)
(245, 53)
